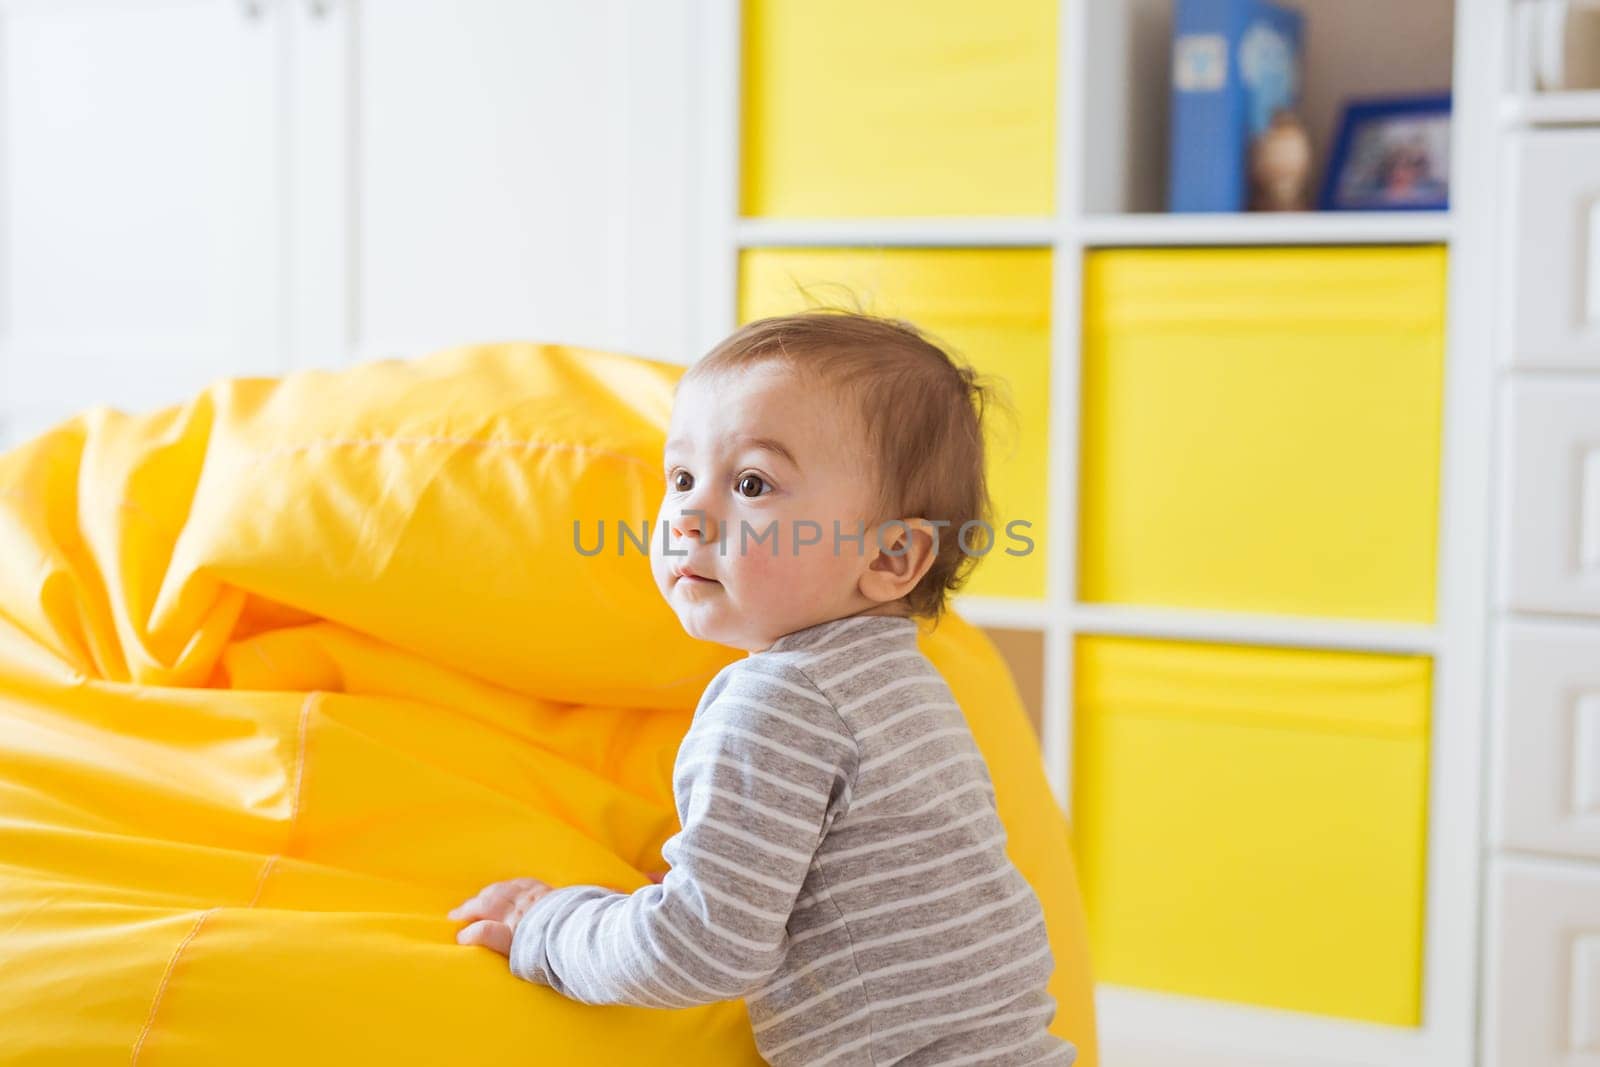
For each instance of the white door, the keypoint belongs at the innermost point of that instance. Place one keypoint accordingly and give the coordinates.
(483, 170)
(139, 210)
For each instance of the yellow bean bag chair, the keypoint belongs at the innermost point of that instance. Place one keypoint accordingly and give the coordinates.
(289, 670)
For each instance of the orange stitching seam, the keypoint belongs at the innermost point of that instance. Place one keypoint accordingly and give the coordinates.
(300, 769)
(261, 881)
(162, 988)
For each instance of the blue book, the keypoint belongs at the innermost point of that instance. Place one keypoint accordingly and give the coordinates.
(1234, 64)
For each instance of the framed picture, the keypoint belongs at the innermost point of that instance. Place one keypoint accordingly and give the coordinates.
(1391, 154)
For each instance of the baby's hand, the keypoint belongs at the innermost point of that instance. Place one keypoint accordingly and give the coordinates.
(497, 909)
(499, 906)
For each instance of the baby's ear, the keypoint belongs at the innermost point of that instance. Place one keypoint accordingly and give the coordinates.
(902, 551)
(904, 538)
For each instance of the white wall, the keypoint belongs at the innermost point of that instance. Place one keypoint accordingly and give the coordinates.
(196, 189)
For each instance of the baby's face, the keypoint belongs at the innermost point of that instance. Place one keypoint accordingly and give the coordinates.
(750, 593)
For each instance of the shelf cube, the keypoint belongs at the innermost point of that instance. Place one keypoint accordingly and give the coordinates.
(1261, 430)
(992, 305)
(921, 108)
(1251, 823)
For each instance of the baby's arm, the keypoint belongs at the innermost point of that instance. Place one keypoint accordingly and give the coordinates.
(769, 765)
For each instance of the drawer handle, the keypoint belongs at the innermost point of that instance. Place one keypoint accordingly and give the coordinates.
(1586, 757)
(1589, 511)
(1591, 266)
(1585, 1018)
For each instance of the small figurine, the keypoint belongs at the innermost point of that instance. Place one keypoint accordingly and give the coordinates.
(1280, 165)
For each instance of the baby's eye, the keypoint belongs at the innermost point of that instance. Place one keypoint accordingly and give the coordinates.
(681, 480)
(747, 481)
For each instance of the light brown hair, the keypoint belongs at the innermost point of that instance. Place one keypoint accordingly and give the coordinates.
(922, 412)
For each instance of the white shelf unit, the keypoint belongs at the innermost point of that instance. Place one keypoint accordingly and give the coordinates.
(1287, 228)
(1552, 109)
(1541, 914)
(1109, 177)
(1524, 103)
(1105, 231)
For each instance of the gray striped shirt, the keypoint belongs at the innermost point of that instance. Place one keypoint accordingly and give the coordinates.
(841, 866)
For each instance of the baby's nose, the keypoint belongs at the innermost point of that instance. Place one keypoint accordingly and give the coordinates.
(690, 525)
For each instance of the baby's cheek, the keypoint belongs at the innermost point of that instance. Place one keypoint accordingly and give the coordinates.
(791, 573)
(660, 569)
(764, 581)
(759, 567)
(820, 567)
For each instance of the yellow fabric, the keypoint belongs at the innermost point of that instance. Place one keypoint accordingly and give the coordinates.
(1252, 822)
(1261, 429)
(289, 670)
(993, 306)
(920, 107)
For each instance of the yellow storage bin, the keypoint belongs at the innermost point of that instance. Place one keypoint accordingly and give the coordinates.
(1261, 429)
(924, 107)
(1251, 823)
(993, 306)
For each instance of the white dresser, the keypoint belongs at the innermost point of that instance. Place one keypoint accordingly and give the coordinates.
(1542, 903)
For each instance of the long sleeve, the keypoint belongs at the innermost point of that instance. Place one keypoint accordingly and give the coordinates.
(764, 769)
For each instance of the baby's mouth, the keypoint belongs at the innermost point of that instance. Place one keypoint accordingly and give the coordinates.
(687, 575)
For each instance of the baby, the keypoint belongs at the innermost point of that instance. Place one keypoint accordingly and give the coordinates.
(841, 865)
